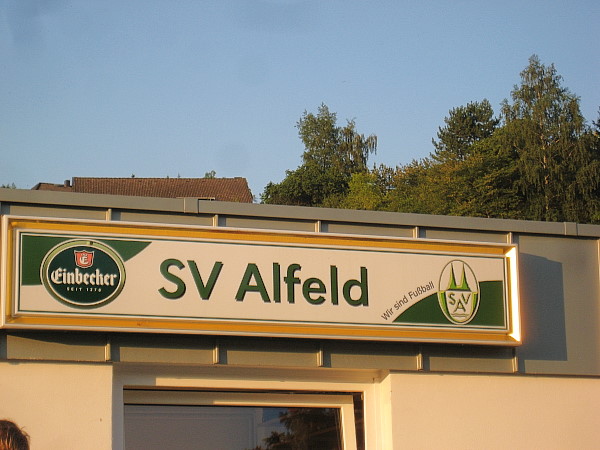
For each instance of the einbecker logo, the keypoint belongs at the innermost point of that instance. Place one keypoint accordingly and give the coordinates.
(83, 273)
(83, 258)
(458, 292)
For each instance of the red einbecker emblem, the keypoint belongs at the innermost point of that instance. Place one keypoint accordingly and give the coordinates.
(83, 258)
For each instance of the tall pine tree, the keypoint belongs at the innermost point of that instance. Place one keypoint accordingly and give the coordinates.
(545, 127)
(465, 125)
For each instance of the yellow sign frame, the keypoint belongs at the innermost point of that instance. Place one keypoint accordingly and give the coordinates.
(12, 226)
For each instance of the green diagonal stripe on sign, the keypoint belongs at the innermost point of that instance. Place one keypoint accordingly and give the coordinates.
(490, 312)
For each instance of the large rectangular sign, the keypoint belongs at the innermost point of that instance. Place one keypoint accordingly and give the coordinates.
(60, 274)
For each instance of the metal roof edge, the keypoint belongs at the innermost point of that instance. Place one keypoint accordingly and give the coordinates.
(300, 213)
(76, 199)
(402, 219)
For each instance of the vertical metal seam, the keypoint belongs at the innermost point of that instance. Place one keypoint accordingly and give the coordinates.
(108, 349)
(420, 358)
(217, 352)
(320, 356)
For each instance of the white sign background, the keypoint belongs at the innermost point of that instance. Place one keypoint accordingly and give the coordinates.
(391, 274)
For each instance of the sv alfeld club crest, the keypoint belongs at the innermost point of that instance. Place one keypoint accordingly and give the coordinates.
(458, 292)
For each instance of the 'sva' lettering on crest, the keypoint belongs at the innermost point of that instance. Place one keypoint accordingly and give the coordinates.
(458, 292)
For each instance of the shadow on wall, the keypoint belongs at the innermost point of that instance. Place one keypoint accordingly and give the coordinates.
(542, 310)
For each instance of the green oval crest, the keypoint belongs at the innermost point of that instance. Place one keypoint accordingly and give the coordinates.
(458, 292)
(83, 273)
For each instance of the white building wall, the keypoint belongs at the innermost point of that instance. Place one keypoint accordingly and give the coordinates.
(60, 405)
(551, 403)
(434, 411)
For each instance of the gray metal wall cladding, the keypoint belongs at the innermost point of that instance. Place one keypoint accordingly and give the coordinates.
(558, 269)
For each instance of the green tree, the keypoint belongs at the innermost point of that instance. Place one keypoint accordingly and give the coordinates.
(540, 162)
(365, 191)
(592, 140)
(306, 429)
(465, 125)
(472, 173)
(491, 174)
(450, 180)
(558, 170)
(332, 154)
(411, 188)
(444, 183)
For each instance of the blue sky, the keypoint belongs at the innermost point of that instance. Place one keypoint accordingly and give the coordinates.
(162, 88)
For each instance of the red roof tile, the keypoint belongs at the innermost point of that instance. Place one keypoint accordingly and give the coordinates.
(220, 189)
(53, 187)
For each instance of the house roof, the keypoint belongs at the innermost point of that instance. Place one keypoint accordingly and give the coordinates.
(220, 189)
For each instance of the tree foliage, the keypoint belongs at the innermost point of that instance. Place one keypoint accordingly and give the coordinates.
(465, 126)
(332, 155)
(306, 429)
(538, 160)
(547, 131)
(365, 191)
(470, 173)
